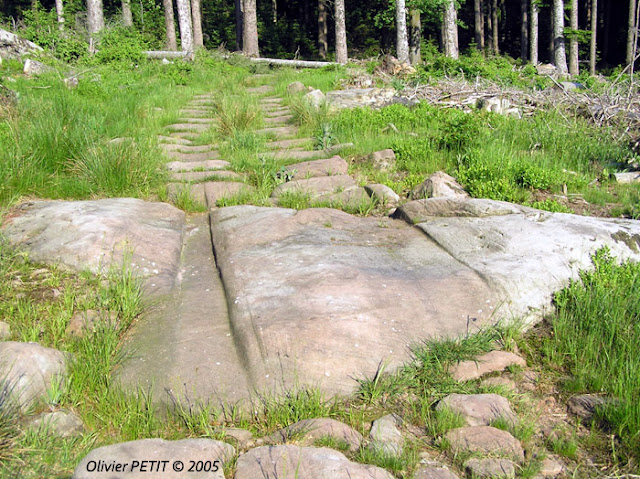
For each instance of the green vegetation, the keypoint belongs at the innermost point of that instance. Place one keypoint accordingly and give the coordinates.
(595, 336)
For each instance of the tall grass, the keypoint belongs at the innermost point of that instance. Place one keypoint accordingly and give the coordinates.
(596, 336)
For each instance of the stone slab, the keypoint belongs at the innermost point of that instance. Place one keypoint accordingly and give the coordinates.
(198, 165)
(321, 297)
(202, 175)
(92, 235)
(335, 165)
(315, 186)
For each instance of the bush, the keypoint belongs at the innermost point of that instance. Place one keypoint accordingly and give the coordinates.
(121, 45)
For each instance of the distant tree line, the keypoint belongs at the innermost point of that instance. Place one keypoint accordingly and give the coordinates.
(567, 33)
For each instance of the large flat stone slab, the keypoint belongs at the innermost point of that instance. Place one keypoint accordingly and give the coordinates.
(198, 165)
(186, 347)
(320, 185)
(203, 175)
(525, 254)
(335, 165)
(92, 235)
(198, 127)
(321, 297)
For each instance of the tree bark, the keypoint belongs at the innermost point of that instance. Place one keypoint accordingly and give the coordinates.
(170, 26)
(559, 52)
(415, 36)
(127, 17)
(494, 27)
(594, 28)
(402, 40)
(524, 30)
(342, 55)
(184, 20)
(450, 30)
(196, 17)
(574, 66)
(479, 25)
(250, 30)
(60, 14)
(533, 35)
(239, 24)
(95, 16)
(631, 31)
(323, 32)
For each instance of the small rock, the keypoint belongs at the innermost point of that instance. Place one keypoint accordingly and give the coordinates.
(385, 436)
(585, 405)
(242, 437)
(315, 98)
(479, 409)
(627, 177)
(499, 381)
(490, 467)
(529, 380)
(29, 369)
(33, 67)
(570, 85)
(58, 423)
(546, 69)
(551, 467)
(287, 462)
(89, 321)
(308, 431)
(71, 82)
(384, 160)
(494, 361)
(433, 472)
(485, 440)
(295, 88)
(439, 185)
(159, 450)
(5, 331)
(382, 194)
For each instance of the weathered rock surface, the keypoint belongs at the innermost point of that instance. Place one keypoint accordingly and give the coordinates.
(491, 362)
(429, 471)
(315, 186)
(438, 185)
(94, 235)
(195, 165)
(385, 437)
(382, 194)
(165, 454)
(627, 177)
(308, 431)
(383, 160)
(296, 87)
(5, 331)
(12, 46)
(84, 322)
(333, 166)
(479, 409)
(34, 68)
(485, 440)
(309, 288)
(289, 462)
(315, 98)
(29, 370)
(551, 467)
(525, 255)
(490, 467)
(585, 405)
(58, 423)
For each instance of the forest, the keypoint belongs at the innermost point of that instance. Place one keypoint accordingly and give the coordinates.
(592, 34)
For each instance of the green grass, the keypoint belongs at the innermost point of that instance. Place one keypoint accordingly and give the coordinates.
(595, 336)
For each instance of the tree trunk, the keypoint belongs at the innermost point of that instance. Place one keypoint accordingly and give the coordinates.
(450, 30)
(196, 17)
(184, 20)
(60, 14)
(594, 28)
(574, 66)
(274, 11)
(95, 17)
(559, 52)
(494, 27)
(250, 30)
(533, 36)
(631, 30)
(127, 17)
(239, 24)
(524, 30)
(402, 40)
(323, 32)
(170, 26)
(341, 32)
(479, 25)
(415, 36)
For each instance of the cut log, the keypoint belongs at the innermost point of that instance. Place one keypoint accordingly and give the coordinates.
(292, 63)
(159, 54)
